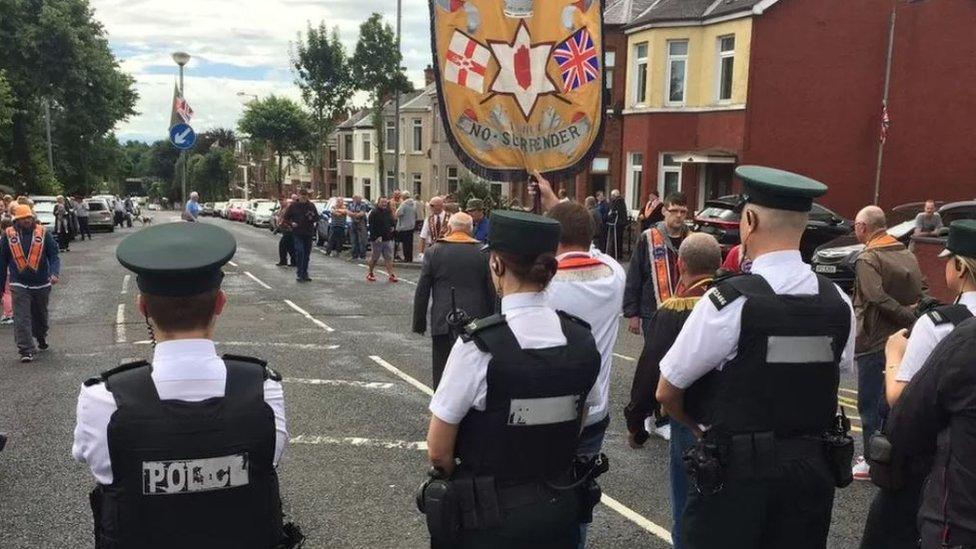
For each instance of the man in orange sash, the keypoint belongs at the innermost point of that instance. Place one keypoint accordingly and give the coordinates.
(29, 256)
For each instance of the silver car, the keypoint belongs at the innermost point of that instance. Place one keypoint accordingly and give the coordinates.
(100, 214)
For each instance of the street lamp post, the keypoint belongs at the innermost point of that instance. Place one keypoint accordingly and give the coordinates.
(247, 155)
(396, 115)
(181, 59)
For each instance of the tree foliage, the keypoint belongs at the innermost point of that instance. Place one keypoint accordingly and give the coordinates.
(280, 123)
(56, 53)
(323, 74)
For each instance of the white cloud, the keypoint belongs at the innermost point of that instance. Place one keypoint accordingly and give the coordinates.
(236, 46)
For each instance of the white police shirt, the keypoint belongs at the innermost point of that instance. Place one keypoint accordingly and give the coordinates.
(464, 385)
(925, 336)
(183, 369)
(596, 299)
(710, 337)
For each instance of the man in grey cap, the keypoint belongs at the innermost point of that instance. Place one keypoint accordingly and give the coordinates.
(480, 222)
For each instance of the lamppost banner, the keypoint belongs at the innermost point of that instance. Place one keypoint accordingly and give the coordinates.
(520, 83)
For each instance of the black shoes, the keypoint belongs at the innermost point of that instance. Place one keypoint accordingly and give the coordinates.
(281, 264)
(306, 279)
(42, 344)
(3, 441)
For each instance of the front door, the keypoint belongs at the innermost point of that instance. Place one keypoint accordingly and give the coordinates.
(718, 182)
(598, 183)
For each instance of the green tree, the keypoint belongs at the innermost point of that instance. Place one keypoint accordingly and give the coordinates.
(6, 125)
(217, 137)
(323, 74)
(210, 173)
(377, 70)
(55, 53)
(280, 123)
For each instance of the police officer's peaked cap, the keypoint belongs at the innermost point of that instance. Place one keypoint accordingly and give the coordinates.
(779, 189)
(177, 259)
(523, 233)
(962, 239)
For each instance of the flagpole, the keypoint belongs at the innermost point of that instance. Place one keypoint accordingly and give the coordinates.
(396, 117)
(884, 102)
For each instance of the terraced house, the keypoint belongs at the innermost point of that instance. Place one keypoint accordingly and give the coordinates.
(800, 85)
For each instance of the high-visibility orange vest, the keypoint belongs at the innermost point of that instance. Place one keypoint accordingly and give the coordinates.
(33, 259)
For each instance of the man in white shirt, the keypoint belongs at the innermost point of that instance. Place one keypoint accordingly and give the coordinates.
(206, 432)
(435, 225)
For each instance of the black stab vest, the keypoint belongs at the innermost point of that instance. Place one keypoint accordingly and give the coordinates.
(534, 408)
(190, 474)
(785, 375)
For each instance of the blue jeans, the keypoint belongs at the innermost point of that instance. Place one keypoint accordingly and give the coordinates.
(303, 252)
(591, 441)
(682, 439)
(870, 388)
(357, 239)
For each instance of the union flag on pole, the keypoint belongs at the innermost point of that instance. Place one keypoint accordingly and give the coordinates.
(182, 112)
(467, 62)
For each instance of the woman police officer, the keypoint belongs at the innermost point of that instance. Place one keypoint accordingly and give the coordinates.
(507, 413)
(891, 519)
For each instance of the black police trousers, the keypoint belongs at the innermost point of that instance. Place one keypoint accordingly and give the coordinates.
(789, 507)
(891, 522)
(545, 524)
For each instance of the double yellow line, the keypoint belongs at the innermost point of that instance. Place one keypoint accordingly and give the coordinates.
(850, 403)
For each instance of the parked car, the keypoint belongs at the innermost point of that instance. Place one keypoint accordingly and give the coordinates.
(252, 210)
(38, 199)
(720, 220)
(220, 209)
(325, 218)
(836, 259)
(264, 213)
(100, 215)
(44, 212)
(236, 212)
(207, 209)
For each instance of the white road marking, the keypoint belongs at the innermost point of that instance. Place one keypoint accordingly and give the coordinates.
(625, 357)
(403, 375)
(120, 324)
(232, 264)
(125, 284)
(620, 508)
(303, 346)
(358, 441)
(636, 518)
(340, 382)
(258, 280)
(309, 316)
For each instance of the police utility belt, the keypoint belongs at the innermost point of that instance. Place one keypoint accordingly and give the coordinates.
(481, 503)
(757, 456)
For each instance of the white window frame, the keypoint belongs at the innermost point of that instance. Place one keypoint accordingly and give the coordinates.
(454, 179)
(417, 141)
(367, 148)
(390, 179)
(640, 83)
(367, 188)
(348, 147)
(609, 62)
(635, 180)
(390, 145)
(672, 59)
(720, 57)
(666, 169)
(418, 183)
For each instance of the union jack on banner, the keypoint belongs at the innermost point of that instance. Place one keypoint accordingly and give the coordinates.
(184, 109)
(885, 122)
(578, 60)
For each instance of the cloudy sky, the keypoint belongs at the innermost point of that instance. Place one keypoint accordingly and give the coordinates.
(237, 46)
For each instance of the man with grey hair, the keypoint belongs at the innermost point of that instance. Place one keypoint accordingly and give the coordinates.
(699, 257)
(453, 265)
(192, 210)
(435, 226)
(406, 215)
(887, 286)
(617, 220)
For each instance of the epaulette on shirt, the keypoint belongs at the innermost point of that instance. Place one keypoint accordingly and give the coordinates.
(481, 324)
(949, 314)
(723, 293)
(574, 319)
(269, 373)
(125, 365)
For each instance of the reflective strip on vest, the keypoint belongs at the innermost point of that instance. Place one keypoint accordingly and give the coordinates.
(33, 261)
(543, 411)
(799, 349)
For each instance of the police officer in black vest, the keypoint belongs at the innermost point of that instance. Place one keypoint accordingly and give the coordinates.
(754, 373)
(184, 449)
(508, 411)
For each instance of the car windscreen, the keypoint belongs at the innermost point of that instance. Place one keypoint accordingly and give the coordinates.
(44, 207)
(265, 207)
(721, 214)
(95, 206)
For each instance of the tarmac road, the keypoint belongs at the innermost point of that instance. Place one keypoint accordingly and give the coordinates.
(357, 388)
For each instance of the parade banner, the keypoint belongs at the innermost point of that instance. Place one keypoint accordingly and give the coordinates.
(520, 83)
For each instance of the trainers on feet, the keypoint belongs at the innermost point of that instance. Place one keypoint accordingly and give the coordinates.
(393, 278)
(861, 469)
(42, 344)
(27, 358)
(370, 277)
(6, 320)
(663, 431)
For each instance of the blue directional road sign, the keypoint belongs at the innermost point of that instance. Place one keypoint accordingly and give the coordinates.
(182, 136)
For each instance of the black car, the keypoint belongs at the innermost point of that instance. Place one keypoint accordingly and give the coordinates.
(836, 259)
(720, 220)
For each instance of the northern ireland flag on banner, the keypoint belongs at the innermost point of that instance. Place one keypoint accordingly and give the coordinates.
(467, 61)
(520, 84)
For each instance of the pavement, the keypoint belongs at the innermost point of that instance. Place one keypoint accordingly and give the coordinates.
(356, 384)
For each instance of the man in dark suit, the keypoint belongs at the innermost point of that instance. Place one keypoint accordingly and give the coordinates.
(455, 261)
